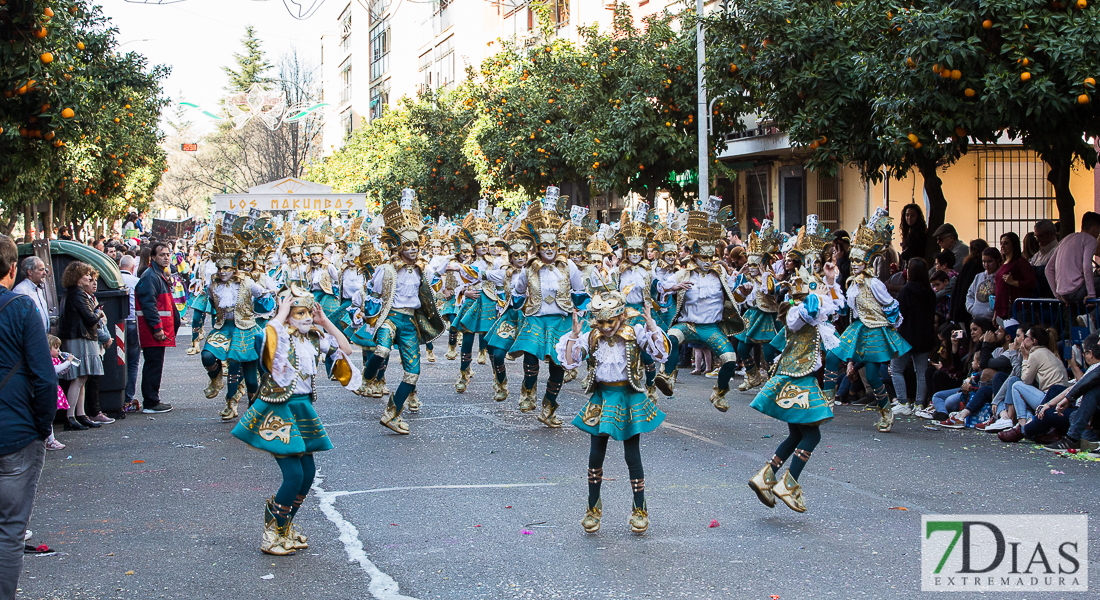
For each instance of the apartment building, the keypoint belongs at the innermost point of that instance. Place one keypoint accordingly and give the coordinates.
(382, 50)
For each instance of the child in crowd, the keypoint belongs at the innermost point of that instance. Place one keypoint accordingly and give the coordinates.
(61, 363)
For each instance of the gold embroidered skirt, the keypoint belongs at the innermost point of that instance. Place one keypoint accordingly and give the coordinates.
(619, 411)
(287, 429)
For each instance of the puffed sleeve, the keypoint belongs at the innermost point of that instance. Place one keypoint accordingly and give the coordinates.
(282, 372)
(580, 348)
(889, 304)
(653, 341)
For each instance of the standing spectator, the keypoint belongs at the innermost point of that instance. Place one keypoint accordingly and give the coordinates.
(948, 239)
(1047, 236)
(79, 333)
(1029, 245)
(914, 233)
(977, 297)
(1014, 279)
(969, 270)
(63, 233)
(133, 345)
(28, 402)
(1069, 270)
(34, 273)
(842, 242)
(157, 321)
(916, 302)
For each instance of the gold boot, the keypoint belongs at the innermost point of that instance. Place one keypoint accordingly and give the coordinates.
(463, 381)
(500, 389)
(570, 375)
(364, 388)
(526, 399)
(217, 384)
(382, 390)
(762, 483)
(482, 357)
(194, 349)
(664, 382)
(429, 355)
(718, 399)
(230, 412)
(392, 418)
(274, 540)
(639, 519)
(886, 423)
(295, 539)
(788, 490)
(413, 402)
(591, 520)
(751, 377)
(547, 417)
(451, 354)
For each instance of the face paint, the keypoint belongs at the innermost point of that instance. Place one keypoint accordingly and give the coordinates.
(576, 256)
(857, 267)
(518, 260)
(670, 257)
(246, 266)
(481, 249)
(301, 319)
(464, 255)
(754, 270)
(410, 251)
(634, 256)
(316, 257)
(353, 250)
(703, 262)
(609, 327)
(225, 273)
(547, 251)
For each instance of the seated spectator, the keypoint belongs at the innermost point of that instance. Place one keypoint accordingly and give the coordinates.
(1014, 279)
(1070, 413)
(1069, 270)
(945, 261)
(948, 239)
(1029, 246)
(947, 401)
(948, 360)
(981, 290)
(1046, 236)
(941, 285)
(992, 368)
(1042, 371)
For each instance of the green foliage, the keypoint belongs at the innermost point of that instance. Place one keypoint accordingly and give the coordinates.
(252, 65)
(106, 154)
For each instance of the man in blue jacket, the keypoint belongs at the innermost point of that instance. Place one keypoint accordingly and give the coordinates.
(28, 402)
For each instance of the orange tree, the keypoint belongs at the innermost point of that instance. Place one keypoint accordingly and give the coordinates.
(1026, 68)
(67, 102)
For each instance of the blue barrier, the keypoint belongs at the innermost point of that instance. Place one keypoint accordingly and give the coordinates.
(1072, 322)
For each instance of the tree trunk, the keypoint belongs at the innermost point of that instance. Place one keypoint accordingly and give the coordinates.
(61, 211)
(7, 226)
(28, 222)
(1059, 178)
(937, 204)
(47, 221)
(584, 193)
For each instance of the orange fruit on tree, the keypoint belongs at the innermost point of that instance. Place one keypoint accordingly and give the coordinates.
(1025, 76)
(909, 62)
(41, 33)
(946, 73)
(68, 113)
(913, 139)
(80, 45)
(46, 58)
(1082, 4)
(969, 93)
(1025, 62)
(48, 12)
(960, 131)
(1089, 81)
(917, 145)
(956, 74)
(987, 24)
(1083, 99)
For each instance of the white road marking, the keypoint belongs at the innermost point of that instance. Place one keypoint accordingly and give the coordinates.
(382, 586)
(442, 487)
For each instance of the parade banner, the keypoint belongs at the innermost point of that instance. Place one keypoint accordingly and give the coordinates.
(290, 194)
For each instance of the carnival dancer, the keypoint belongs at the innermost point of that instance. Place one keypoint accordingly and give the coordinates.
(361, 332)
(597, 274)
(664, 272)
(321, 274)
(464, 252)
(350, 279)
(706, 310)
(634, 274)
(502, 334)
(620, 407)
(756, 289)
(872, 338)
(282, 421)
(201, 275)
(232, 343)
(402, 306)
(295, 270)
(575, 239)
(793, 395)
(550, 285)
(274, 265)
(480, 302)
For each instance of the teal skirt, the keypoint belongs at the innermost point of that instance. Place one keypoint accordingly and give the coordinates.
(640, 317)
(476, 315)
(759, 327)
(538, 335)
(663, 316)
(503, 332)
(618, 411)
(779, 342)
(289, 429)
(362, 336)
(871, 345)
(329, 303)
(231, 343)
(794, 400)
(448, 309)
(200, 303)
(342, 320)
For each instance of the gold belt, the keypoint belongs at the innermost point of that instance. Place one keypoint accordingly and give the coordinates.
(404, 311)
(613, 383)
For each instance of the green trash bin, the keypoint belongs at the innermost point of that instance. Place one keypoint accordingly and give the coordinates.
(115, 298)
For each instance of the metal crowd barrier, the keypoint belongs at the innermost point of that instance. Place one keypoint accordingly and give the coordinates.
(1073, 322)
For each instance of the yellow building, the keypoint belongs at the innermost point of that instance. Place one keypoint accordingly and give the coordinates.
(990, 190)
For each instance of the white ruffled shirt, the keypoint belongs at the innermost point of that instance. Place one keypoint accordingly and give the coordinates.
(549, 280)
(611, 364)
(704, 301)
(284, 373)
(225, 295)
(633, 275)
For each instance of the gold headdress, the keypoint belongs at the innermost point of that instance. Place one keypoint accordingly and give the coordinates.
(872, 237)
(316, 240)
(576, 238)
(809, 242)
(402, 224)
(607, 304)
(292, 241)
(355, 233)
(632, 234)
(762, 243)
(665, 239)
(225, 248)
(702, 233)
(598, 247)
(540, 225)
(478, 231)
(517, 243)
(298, 297)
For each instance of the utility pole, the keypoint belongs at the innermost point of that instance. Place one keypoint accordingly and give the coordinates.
(701, 106)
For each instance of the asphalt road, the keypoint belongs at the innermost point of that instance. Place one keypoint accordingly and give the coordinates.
(481, 501)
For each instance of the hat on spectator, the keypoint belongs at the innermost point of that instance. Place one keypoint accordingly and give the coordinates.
(945, 229)
(1011, 325)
